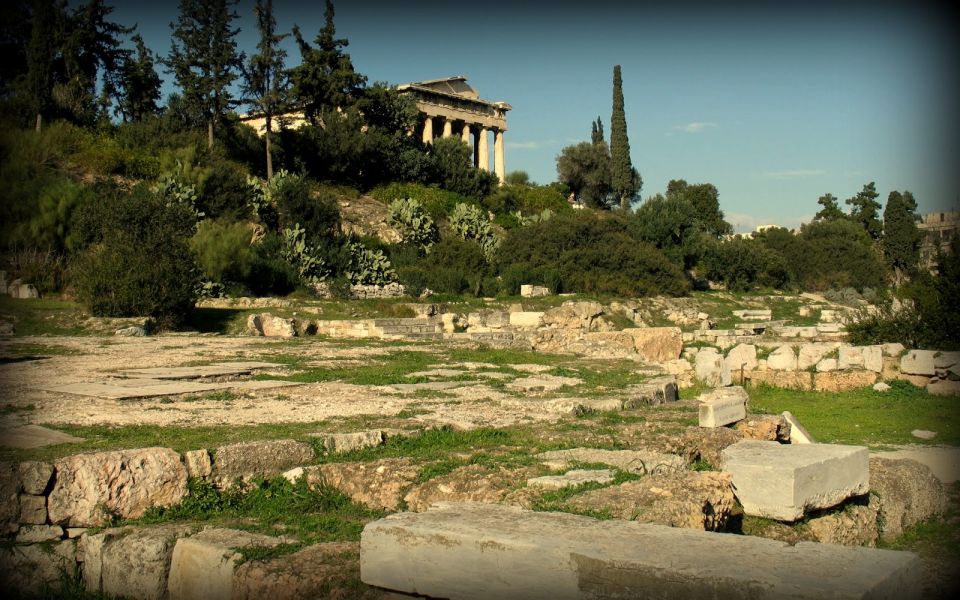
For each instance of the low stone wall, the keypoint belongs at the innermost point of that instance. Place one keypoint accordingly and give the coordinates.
(360, 292)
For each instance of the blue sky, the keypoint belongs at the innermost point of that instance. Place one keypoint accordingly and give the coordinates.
(774, 103)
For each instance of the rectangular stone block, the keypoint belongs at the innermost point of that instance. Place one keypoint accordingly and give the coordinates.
(474, 551)
(783, 481)
(526, 320)
(723, 406)
(202, 566)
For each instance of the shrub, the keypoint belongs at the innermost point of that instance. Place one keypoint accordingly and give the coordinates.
(223, 250)
(837, 254)
(454, 266)
(139, 262)
(300, 203)
(412, 221)
(590, 253)
(744, 264)
(470, 223)
(225, 193)
(368, 267)
(438, 203)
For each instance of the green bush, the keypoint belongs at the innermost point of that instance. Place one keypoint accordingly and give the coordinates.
(589, 253)
(225, 193)
(438, 203)
(139, 261)
(314, 208)
(223, 250)
(454, 266)
(412, 221)
(743, 264)
(470, 222)
(837, 254)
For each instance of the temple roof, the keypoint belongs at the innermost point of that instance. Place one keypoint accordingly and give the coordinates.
(455, 86)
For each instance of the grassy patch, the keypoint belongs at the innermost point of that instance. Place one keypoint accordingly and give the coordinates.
(865, 416)
(44, 316)
(12, 409)
(937, 537)
(556, 500)
(391, 368)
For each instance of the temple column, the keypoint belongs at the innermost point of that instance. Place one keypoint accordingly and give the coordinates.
(447, 128)
(465, 134)
(499, 162)
(484, 162)
(428, 131)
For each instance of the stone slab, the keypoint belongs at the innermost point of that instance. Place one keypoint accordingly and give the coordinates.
(784, 481)
(798, 433)
(211, 370)
(120, 389)
(34, 436)
(472, 551)
(432, 386)
(633, 461)
(722, 406)
(571, 478)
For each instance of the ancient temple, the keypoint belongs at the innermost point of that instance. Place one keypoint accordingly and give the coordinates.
(452, 107)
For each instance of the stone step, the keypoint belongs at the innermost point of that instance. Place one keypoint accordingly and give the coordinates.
(426, 335)
(474, 551)
(402, 322)
(408, 329)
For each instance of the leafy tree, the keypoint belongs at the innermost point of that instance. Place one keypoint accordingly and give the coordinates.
(265, 77)
(901, 238)
(836, 254)
(706, 203)
(670, 223)
(139, 84)
(624, 179)
(866, 210)
(585, 168)
(204, 60)
(745, 264)
(830, 211)
(454, 166)
(325, 78)
(518, 178)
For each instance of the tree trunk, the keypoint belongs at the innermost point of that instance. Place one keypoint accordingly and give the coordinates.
(210, 133)
(269, 158)
(39, 121)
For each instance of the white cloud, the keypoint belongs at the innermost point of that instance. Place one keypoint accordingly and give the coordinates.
(695, 127)
(532, 145)
(793, 173)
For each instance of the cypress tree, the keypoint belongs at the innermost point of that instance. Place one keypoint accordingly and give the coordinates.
(596, 131)
(901, 238)
(624, 178)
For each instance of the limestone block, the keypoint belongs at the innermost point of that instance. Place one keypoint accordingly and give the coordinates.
(472, 483)
(782, 359)
(873, 358)
(798, 433)
(711, 369)
(774, 428)
(533, 291)
(908, 493)
(754, 315)
(658, 390)
(317, 571)
(811, 354)
(36, 570)
(258, 459)
(945, 360)
(339, 443)
(132, 331)
(850, 357)
(35, 477)
(656, 344)
(526, 320)
(33, 509)
(572, 478)
(919, 381)
(268, 325)
(827, 365)
(125, 483)
(783, 481)
(742, 356)
(470, 552)
(795, 380)
(944, 387)
(840, 381)
(722, 406)
(695, 500)
(32, 534)
(893, 349)
(853, 525)
(379, 484)
(449, 322)
(919, 362)
(202, 566)
(130, 562)
(808, 332)
(198, 463)
(640, 462)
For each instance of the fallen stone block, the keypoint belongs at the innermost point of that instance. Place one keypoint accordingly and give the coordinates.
(533, 291)
(202, 566)
(656, 344)
(641, 462)
(908, 493)
(944, 387)
(695, 500)
(90, 488)
(658, 390)
(798, 433)
(318, 571)
(571, 478)
(784, 481)
(722, 406)
(772, 428)
(782, 359)
(919, 362)
(348, 442)
(742, 356)
(463, 551)
(711, 369)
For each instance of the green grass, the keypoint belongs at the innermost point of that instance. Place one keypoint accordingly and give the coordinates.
(865, 416)
(44, 316)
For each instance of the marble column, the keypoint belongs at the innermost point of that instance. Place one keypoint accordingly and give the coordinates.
(428, 131)
(447, 128)
(465, 134)
(484, 162)
(499, 162)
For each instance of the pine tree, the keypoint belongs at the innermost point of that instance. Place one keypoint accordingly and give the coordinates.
(265, 78)
(325, 78)
(41, 53)
(139, 84)
(204, 59)
(866, 210)
(624, 178)
(901, 238)
(830, 211)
